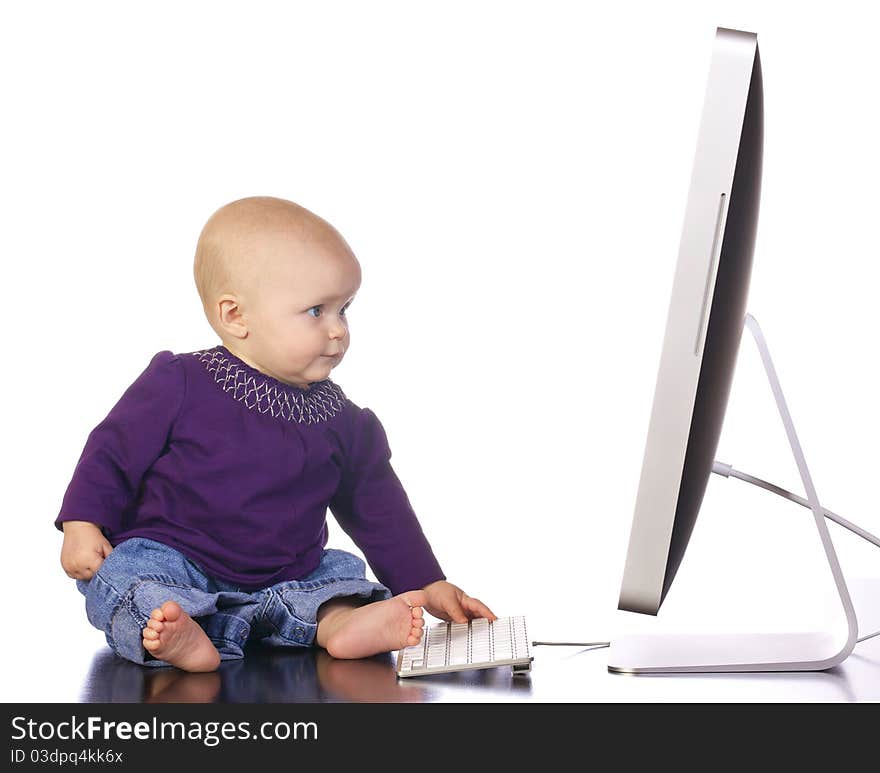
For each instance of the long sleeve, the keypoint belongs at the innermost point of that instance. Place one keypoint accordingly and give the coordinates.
(372, 507)
(120, 450)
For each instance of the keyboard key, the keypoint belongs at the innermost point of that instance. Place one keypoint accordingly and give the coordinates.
(458, 656)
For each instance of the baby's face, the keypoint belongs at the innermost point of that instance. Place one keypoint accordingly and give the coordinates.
(294, 309)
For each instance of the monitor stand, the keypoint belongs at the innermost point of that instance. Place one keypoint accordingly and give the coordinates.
(698, 653)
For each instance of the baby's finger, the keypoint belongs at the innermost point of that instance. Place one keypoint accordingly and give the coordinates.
(455, 612)
(478, 607)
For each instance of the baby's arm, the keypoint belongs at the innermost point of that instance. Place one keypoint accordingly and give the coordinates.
(373, 508)
(117, 455)
(84, 549)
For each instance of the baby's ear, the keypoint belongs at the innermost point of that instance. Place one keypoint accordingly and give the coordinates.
(230, 317)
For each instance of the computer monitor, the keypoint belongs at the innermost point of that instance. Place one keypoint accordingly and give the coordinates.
(704, 327)
(704, 324)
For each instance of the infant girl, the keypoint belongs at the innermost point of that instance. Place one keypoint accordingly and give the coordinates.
(196, 517)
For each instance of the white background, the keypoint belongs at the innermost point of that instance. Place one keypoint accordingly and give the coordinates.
(512, 177)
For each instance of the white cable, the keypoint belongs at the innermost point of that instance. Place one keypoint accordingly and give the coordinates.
(719, 468)
(727, 471)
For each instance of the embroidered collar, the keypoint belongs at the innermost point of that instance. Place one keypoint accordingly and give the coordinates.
(262, 393)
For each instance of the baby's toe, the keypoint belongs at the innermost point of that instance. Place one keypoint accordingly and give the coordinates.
(171, 610)
(151, 644)
(150, 634)
(418, 622)
(417, 612)
(156, 614)
(154, 624)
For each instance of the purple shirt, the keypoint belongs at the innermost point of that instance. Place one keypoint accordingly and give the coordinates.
(236, 470)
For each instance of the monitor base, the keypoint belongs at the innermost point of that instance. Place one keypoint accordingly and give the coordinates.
(698, 653)
(689, 653)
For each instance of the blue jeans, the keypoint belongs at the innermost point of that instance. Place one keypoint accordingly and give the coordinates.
(140, 575)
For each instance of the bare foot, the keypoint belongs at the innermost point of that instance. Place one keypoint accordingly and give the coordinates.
(382, 626)
(173, 636)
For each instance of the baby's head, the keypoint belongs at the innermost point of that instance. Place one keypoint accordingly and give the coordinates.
(275, 281)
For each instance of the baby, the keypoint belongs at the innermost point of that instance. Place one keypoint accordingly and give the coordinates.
(196, 516)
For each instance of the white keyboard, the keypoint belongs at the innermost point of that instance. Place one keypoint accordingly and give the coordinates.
(462, 646)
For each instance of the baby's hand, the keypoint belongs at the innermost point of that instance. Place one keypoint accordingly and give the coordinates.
(449, 602)
(84, 549)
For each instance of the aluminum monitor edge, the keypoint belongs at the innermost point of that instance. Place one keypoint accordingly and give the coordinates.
(693, 287)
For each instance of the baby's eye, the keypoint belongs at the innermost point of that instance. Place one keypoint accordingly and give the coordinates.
(318, 309)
